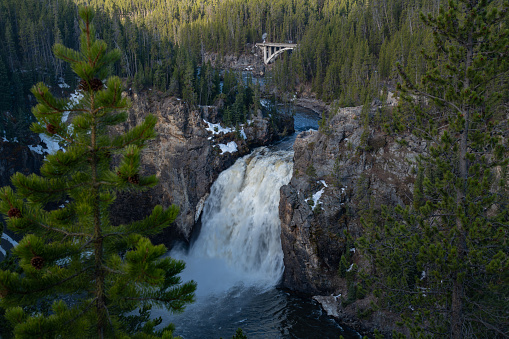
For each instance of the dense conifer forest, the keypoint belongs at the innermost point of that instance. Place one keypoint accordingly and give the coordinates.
(347, 49)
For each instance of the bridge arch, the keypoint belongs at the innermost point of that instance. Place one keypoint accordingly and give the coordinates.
(272, 50)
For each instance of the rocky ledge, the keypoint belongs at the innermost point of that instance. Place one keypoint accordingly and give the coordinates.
(338, 174)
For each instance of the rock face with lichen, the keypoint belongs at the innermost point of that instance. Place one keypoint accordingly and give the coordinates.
(338, 175)
(186, 158)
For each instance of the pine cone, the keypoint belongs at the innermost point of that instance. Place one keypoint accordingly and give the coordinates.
(37, 262)
(119, 174)
(83, 86)
(96, 84)
(52, 129)
(135, 179)
(3, 293)
(14, 213)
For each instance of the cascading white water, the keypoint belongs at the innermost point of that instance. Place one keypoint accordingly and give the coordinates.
(237, 258)
(240, 239)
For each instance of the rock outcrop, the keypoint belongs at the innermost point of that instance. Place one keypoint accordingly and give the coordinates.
(186, 158)
(338, 174)
(252, 62)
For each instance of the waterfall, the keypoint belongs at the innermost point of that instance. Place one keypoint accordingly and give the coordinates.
(237, 259)
(239, 242)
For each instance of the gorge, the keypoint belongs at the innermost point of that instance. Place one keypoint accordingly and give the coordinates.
(237, 259)
(234, 246)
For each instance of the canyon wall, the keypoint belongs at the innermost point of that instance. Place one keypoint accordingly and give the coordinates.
(186, 157)
(339, 175)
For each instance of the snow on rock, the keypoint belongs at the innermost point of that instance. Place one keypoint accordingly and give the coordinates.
(350, 268)
(229, 147)
(217, 128)
(243, 134)
(4, 139)
(74, 100)
(37, 149)
(316, 197)
(265, 103)
(62, 83)
(51, 143)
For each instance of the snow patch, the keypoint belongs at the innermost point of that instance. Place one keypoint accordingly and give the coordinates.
(316, 197)
(52, 144)
(217, 128)
(37, 149)
(62, 83)
(350, 268)
(229, 147)
(74, 100)
(4, 139)
(265, 103)
(243, 134)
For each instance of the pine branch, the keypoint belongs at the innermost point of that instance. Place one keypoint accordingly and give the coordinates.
(58, 230)
(45, 288)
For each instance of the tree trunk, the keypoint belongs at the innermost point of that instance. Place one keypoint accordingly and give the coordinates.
(98, 240)
(458, 288)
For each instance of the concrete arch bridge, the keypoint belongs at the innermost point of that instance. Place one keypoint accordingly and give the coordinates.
(271, 50)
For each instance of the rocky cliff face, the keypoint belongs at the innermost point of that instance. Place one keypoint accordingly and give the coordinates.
(245, 62)
(336, 177)
(186, 158)
(339, 175)
(15, 157)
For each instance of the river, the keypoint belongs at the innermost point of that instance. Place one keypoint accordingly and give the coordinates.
(237, 259)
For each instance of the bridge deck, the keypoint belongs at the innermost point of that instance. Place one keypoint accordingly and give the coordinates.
(272, 49)
(275, 44)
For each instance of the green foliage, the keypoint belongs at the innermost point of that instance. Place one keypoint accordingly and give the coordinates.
(241, 100)
(94, 273)
(442, 262)
(239, 334)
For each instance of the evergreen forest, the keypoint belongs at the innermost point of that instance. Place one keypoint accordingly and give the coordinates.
(347, 49)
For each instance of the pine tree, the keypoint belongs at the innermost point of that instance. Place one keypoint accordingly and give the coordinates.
(94, 273)
(443, 263)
